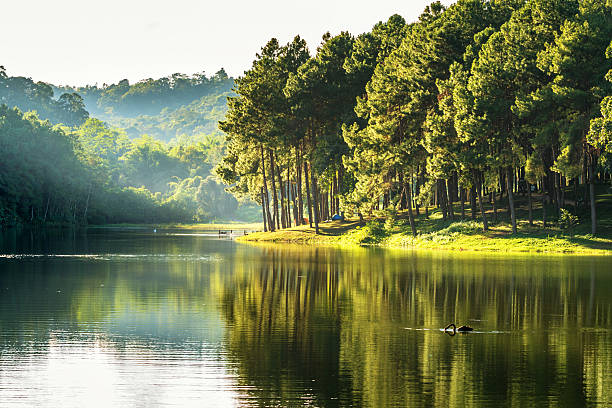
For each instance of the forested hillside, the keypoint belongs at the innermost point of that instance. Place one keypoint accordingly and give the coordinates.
(28, 95)
(476, 103)
(166, 108)
(76, 169)
(96, 174)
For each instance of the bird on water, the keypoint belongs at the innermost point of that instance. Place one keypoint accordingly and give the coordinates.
(458, 329)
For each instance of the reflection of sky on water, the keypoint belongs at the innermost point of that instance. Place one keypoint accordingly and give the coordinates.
(97, 373)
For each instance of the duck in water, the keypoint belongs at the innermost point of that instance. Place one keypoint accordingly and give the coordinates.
(461, 329)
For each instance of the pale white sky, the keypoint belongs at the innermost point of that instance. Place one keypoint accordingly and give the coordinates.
(81, 42)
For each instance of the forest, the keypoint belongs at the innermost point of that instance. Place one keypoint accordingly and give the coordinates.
(474, 104)
(166, 108)
(61, 166)
(471, 107)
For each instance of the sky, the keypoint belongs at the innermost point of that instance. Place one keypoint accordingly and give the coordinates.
(78, 42)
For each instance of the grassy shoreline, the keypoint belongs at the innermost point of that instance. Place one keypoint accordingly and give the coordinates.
(456, 236)
(392, 230)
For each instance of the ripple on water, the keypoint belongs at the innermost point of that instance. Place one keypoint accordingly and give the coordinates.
(117, 257)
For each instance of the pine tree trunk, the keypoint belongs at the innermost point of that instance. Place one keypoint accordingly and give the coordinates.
(323, 200)
(502, 185)
(473, 201)
(283, 199)
(263, 210)
(308, 200)
(576, 195)
(462, 199)
(449, 196)
(509, 183)
(408, 188)
(298, 168)
(289, 200)
(530, 205)
(334, 192)
(558, 193)
(543, 204)
(585, 177)
(327, 202)
(592, 197)
(338, 187)
(485, 224)
(274, 194)
(415, 182)
(403, 200)
(296, 211)
(494, 204)
(442, 198)
(315, 205)
(543, 210)
(265, 187)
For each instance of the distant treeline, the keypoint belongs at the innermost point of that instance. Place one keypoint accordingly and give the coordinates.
(482, 97)
(96, 174)
(200, 117)
(60, 165)
(164, 108)
(28, 95)
(150, 96)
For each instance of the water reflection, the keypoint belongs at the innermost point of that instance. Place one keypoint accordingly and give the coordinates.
(362, 327)
(171, 319)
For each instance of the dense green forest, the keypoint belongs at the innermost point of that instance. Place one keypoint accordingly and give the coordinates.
(59, 165)
(28, 95)
(96, 174)
(177, 106)
(476, 103)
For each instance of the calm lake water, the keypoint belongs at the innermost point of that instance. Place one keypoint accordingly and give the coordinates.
(137, 319)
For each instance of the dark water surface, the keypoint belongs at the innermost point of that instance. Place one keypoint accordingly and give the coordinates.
(137, 319)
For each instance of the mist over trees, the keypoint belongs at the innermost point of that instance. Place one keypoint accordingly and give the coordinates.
(62, 166)
(28, 95)
(477, 102)
(178, 105)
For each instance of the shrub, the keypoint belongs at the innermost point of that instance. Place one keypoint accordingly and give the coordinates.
(567, 221)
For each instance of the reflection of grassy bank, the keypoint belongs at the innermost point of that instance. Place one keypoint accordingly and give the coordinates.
(435, 233)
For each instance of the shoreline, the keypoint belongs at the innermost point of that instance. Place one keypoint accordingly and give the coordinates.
(460, 236)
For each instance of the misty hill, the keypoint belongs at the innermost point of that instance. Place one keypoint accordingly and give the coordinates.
(164, 108)
(117, 165)
(28, 95)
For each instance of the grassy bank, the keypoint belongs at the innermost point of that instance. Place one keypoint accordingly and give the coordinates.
(393, 230)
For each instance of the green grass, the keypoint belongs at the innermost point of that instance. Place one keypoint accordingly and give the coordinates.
(329, 233)
(393, 230)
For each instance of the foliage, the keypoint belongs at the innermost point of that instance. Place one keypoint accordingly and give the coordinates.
(567, 220)
(28, 95)
(480, 98)
(96, 174)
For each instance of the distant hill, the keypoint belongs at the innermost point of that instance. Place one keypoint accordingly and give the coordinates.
(111, 162)
(199, 117)
(166, 108)
(21, 92)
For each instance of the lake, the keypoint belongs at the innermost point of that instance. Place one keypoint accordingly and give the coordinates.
(133, 318)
